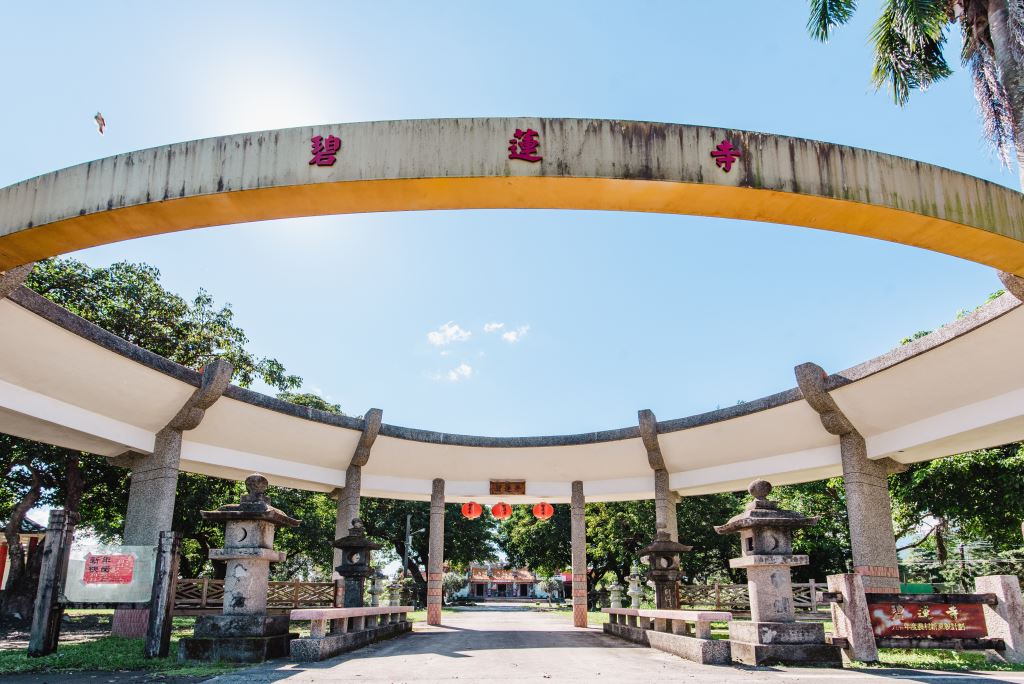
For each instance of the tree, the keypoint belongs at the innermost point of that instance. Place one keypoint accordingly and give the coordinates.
(451, 584)
(129, 301)
(908, 40)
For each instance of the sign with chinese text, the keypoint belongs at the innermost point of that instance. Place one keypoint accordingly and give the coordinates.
(109, 568)
(325, 150)
(923, 620)
(725, 155)
(508, 487)
(107, 573)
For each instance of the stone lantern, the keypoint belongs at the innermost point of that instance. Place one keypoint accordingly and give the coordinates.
(615, 591)
(377, 588)
(635, 593)
(766, 541)
(663, 557)
(244, 633)
(355, 562)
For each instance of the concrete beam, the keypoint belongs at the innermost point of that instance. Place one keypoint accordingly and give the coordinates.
(1013, 284)
(463, 164)
(11, 280)
(868, 506)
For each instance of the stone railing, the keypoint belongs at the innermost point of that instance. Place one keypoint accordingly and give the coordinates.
(196, 596)
(336, 630)
(685, 633)
(737, 596)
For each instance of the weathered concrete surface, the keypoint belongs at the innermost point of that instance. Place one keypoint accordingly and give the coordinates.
(463, 163)
(851, 618)
(435, 553)
(515, 644)
(704, 651)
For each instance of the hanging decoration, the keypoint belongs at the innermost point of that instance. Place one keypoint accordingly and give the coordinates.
(543, 510)
(501, 510)
(472, 510)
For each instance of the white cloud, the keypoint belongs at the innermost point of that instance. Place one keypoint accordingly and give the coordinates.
(446, 334)
(513, 336)
(461, 372)
(446, 352)
(493, 327)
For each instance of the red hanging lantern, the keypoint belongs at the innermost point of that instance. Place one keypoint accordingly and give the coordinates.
(472, 510)
(501, 510)
(543, 510)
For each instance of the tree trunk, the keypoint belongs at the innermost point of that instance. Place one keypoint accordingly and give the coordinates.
(20, 592)
(1011, 75)
(75, 483)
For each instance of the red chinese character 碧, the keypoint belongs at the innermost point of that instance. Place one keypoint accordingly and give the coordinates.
(725, 155)
(324, 150)
(523, 145)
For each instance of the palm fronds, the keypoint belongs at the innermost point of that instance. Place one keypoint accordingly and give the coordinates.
(908, 39)
(827, 14)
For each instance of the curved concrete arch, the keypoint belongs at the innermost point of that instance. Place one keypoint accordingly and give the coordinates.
(66, 381)
(464, 163)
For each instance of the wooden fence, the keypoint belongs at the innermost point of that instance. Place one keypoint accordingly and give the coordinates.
(197, 596)
(737, 596)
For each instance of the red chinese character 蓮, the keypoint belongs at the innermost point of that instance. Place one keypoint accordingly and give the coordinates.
(325, 150)
(523, 145)
(725, 154)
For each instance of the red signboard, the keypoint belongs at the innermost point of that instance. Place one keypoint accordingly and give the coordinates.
(109, 569)
(923, 620)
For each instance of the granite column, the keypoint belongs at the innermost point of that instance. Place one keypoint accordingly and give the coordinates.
(435, 556)
(579, 557)
(869, 509)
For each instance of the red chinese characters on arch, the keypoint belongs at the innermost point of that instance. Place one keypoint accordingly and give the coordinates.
(325, 150)
(725, 154)
(524, 144)
(923, 620)
(109, 569)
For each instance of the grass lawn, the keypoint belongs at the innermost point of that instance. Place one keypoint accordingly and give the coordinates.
(110, 653)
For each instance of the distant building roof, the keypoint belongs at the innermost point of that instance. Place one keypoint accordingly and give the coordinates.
(27, 527)
(483, 574)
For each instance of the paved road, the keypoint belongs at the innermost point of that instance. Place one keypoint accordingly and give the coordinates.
(518, 645)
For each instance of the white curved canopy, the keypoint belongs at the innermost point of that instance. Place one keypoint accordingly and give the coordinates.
(66, 382)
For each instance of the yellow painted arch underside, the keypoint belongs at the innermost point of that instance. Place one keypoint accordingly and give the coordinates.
(513, 192)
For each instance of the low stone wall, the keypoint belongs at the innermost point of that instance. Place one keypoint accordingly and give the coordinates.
(331, 644)
(704, 651)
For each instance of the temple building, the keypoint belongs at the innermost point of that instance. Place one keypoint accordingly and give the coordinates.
(30, 535)
(493, 582)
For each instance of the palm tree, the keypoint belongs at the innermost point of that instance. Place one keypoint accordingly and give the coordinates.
(908, 39)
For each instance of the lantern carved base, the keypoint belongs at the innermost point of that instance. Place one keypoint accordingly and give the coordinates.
(237, 638)
(766, 643)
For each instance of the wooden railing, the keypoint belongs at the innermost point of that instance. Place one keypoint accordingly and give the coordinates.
(737, 596)
(193, 596)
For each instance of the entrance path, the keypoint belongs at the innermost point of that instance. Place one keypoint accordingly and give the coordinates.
(513, 643)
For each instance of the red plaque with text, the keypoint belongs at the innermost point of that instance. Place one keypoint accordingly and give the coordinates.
(109, 569)
(923, 620)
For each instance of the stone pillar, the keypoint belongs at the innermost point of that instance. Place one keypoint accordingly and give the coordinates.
(435, 556)
(851, 619)
(872, 540)
(12, 279)
(154, 482)
(1005, 620)
(664, 498)
(349, 496)
(579, 557)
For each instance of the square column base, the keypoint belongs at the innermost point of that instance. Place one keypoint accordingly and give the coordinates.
(237, 639)
(766, 643)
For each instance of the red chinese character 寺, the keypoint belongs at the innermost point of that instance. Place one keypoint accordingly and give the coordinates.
(325, 150)
(523, 145)
(725, 155)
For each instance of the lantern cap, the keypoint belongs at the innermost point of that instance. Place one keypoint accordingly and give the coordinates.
(764, 513)
(356, 538)
(253, 505)
(663, 546)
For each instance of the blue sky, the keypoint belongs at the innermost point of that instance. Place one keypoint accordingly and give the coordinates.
(614, 311)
